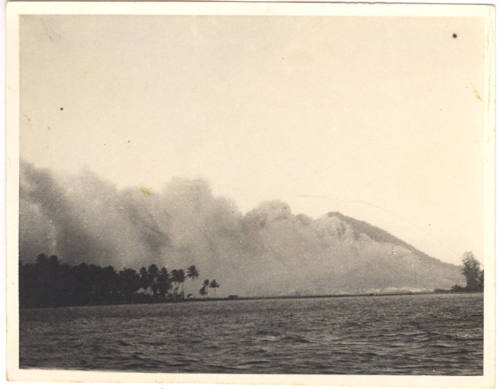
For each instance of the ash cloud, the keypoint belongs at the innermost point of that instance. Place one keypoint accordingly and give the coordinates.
(268, 250)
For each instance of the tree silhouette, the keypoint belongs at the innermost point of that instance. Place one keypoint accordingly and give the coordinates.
(49, 283)
(178, 276)
(214, 285)
(192, 273)
(164, 282)
(181, 277)
(471, 269)
(130, 282)
(203, 290)
(108, 284)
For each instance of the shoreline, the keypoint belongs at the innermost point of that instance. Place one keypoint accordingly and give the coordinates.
(252, 298)
(326, 296)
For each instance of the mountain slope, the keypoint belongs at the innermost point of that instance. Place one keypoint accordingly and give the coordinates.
(336, 253)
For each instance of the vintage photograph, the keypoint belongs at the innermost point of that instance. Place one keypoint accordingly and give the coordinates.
(267, 192)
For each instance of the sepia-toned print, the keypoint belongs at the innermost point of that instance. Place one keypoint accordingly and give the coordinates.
(253, 191)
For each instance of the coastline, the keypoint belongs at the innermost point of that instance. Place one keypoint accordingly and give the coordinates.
(253, 298)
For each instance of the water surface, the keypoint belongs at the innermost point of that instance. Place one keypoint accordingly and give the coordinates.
(417, 334)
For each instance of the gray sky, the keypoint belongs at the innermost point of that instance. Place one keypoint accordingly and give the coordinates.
(378, 118)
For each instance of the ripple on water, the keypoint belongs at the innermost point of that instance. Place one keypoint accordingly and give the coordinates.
(422, 334)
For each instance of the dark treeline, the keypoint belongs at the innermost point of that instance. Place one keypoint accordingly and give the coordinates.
(49, 283)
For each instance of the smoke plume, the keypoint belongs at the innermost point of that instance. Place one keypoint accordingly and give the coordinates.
(268, 250)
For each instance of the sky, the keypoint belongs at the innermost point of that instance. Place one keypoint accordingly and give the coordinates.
(379, 118)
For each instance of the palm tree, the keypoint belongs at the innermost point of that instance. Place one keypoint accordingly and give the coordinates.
(178, 276)
(192, 272)
(181, 276)
(214, 285)
(163, 282)
(203, 290)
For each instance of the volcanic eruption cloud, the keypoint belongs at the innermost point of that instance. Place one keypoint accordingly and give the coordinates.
(267, 251)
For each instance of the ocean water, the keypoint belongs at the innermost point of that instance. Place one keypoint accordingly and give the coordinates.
(416, 334)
